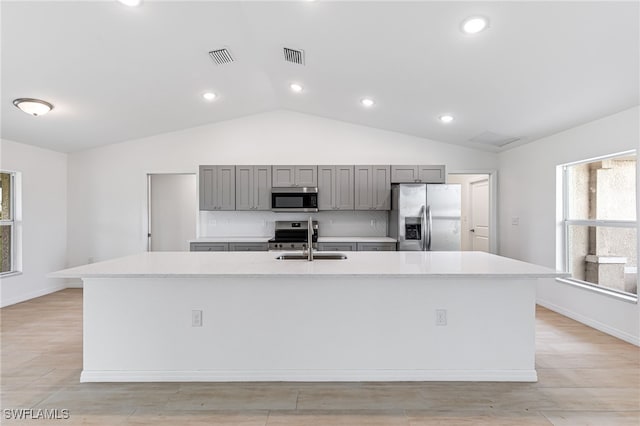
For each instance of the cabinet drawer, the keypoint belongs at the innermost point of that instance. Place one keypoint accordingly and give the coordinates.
(337, 246)
(376, 246)
(209, 247)
(248, 247)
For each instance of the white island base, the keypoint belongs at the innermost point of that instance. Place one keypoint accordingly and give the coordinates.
(268, 320)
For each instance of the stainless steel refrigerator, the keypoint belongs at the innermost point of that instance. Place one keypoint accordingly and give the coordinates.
(425, 216)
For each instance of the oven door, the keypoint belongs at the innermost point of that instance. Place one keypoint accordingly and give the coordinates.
(294, 200)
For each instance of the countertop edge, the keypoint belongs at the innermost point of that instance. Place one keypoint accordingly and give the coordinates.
(317, 275)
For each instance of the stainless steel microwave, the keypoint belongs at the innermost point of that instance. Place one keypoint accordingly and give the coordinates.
(294, 199)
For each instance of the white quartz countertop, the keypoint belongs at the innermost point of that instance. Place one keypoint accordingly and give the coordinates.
(356, 240)
(261, 264)
(320, 239)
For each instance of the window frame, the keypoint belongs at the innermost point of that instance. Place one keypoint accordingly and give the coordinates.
(11, 223)
(566, 223)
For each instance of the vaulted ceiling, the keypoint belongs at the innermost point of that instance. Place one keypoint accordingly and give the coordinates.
(116, 73)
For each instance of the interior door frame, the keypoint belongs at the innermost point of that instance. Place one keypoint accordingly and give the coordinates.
(493, 203)
(149, 175)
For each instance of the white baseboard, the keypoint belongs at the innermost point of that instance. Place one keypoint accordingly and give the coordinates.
(32, 295)
(310, 376)
(630, 338)
(74, 284)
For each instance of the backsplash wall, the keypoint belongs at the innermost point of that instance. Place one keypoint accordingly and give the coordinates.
(262, 224)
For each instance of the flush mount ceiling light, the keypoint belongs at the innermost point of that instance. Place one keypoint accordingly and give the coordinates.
(32, 106)
(474, 24)
(209, 96)
(446, 118)
(296, 87)
(367, 102)
(131, 3)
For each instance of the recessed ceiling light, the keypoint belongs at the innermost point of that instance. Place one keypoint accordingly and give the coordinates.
(131, 3)
(367, 102)
(33, 106)
(209, 96)
(446, 118)
(296, 87)
(475, 24)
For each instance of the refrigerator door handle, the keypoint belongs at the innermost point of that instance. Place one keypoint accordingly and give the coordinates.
(423, 225)
(429, 227)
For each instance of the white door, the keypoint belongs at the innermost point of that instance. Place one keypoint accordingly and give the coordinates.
(172, 211)
(479, 195)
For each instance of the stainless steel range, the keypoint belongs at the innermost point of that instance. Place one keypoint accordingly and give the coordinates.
(292, 235)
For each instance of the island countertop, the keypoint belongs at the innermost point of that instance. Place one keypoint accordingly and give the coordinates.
(360, 264)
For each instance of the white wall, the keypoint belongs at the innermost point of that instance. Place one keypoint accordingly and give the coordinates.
(527, 188)
(107, 186)
(44, 220)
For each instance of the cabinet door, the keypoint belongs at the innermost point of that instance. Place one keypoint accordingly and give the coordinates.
(376, 246)
(343, 188)
(431, 174)
(262, 187)
(381, 187)
(404, 174)
(363, 187)
(244, 187)
(326, 185)
(248, 247)
(306, 176)
(226, 185)
(337, 246)
(208, 183)
(209, 247)
(283, 176)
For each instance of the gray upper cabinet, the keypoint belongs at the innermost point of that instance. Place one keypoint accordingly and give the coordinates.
(418, 174)
(372, 189)
(253, 187)
(285, 176)
(335, 187)
(217, 188)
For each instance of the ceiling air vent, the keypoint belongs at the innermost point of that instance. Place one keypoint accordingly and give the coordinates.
(495, 139)
(221, 56)
(294, 56)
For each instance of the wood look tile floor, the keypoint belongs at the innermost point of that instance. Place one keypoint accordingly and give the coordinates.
(585, 378)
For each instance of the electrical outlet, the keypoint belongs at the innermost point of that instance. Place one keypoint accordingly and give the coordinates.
(441, 317)
(373, 223)
(515, 220)
(196, 318)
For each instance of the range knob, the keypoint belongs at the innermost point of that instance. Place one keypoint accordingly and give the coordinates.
(293, 245)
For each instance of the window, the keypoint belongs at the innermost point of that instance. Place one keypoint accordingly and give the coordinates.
(7, 223)
(600, 224)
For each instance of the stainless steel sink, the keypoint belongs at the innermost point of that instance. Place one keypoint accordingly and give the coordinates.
(316, 256)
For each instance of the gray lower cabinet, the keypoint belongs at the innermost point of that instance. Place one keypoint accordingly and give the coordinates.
(253, 187)
(376, 246)
(335, 187)
(418, 174)
(353, 246)
(248, 247)
(217, 188)
(337, 246)
(209, 247)
(372, 187)
(229, 246)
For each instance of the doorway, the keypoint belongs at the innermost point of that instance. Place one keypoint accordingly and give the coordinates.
(171, 211)
(477, 224)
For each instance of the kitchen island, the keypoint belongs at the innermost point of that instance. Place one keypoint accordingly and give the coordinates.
(379, 316)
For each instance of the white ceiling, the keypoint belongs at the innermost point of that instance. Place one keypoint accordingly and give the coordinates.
(116, 73)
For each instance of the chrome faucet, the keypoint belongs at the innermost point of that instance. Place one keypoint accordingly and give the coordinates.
(310, 240)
